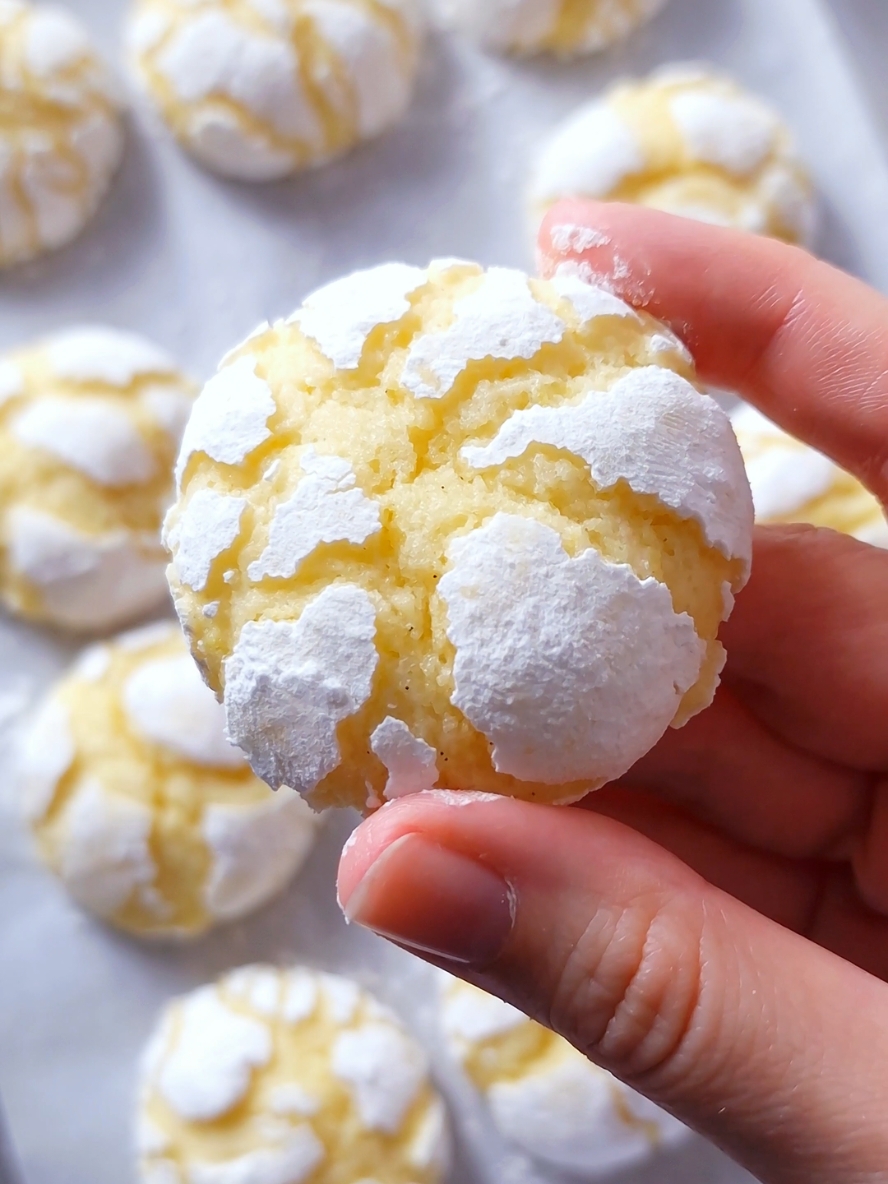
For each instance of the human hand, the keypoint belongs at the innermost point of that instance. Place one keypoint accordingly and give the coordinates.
(713, 930)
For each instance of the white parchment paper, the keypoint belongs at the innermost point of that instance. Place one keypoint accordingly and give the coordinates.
(195, 262)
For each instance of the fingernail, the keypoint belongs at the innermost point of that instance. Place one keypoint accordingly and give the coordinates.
(434, 901)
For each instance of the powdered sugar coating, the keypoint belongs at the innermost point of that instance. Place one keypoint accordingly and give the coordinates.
(96, 354)
(688, 141)
(539, 640)
(243, 90)
(384, 1070)
(204, 530)
(86, 581)
(655, 431)
(736, 133)
(230, 416)
(262, 1097)
(209, 1070)
(47, 753)
(92, 435)
(12, 381)
(106, 857)
(341, 316)
(793, 482)
(501, 319)
(590, 154)
(142, 806)
(255, 850)
(559, 26)
(86, 476)
(288, 684)
(411, 763)
(590, 301)
(168, 703)
(325, 508)
(63, 139)
(544, 1096)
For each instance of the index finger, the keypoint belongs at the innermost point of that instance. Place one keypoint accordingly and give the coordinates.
(805, 342)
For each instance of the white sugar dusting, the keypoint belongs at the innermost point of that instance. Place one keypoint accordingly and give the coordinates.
(325, 508)
(205, 528)
(110, 356)
(572, 667)
(230, 417)
(47, 753)
(501, 319)
(256, 850)
(94, 436)
(384, 1069)
(410, 762)
(590, 301)
(341, 316)
(209, 1069)
(294, 1161)
(654, 431)
(735, 132)
(589, 156)
(168, 703)
(288, 685)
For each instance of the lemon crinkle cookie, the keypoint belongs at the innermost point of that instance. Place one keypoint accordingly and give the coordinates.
(459, 528)
(563, 27)
(138, 802)
(287, 1077)
(90, 423)
(687, 141)
(61, 136)
(257, 89)
(546, 1097)
(792, 482)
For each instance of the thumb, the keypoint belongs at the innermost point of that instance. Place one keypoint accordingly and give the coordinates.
(769, 1045)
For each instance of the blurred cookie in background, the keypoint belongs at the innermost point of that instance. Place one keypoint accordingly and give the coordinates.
(546, 1097)
(792, 482)
(688, 141)
(287, 1076)
(259, 91)
(90, 423)
(61, 132)
(567, 28)
(137, 801)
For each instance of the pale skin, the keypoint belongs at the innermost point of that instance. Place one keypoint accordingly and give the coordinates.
(714, 930)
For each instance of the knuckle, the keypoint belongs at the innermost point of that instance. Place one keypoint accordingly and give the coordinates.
(629, 993)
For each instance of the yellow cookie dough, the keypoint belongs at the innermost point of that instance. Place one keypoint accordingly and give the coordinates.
(563, 27)
(61, 135)
(90, 422)
(287, 1077)
(459, 528)
(794, 483)
(257, 89)
(545, 1096)
(139, 803)
(687, 141)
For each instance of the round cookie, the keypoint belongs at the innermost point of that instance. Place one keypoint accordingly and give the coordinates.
(61, 137)
(563, 27)
(459, 528)
(545, 1096)
(258, 89)
(792, 482)
(90, 423)
(139, 803)
(687, 141)
(287, 1077)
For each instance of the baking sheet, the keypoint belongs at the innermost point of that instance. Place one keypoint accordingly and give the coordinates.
(194, 263)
